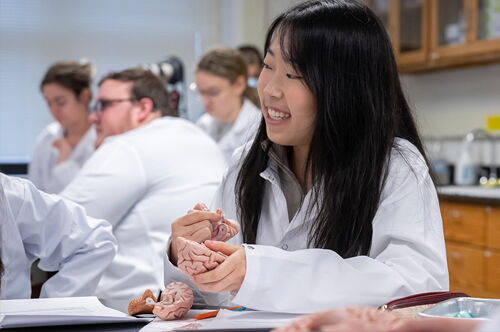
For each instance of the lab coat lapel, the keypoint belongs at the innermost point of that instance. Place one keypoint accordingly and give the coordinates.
(271, 230)
(241, 127)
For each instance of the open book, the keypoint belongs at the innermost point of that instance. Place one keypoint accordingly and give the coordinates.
(60, 311)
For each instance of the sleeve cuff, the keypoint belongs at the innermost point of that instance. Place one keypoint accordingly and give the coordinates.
(250, 284)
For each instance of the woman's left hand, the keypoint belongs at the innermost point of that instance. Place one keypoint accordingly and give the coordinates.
(64, 148)
(229, 275)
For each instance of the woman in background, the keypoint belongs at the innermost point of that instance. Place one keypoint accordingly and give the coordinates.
(231, 119)
(253, 59)
(64, 145)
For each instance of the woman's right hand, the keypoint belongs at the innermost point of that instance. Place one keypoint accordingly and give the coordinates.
(195, 226)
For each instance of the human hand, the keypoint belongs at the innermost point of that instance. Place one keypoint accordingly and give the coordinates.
(229, 275)
(436, 325)
(195, 226)
(361, 319)
(64, 148)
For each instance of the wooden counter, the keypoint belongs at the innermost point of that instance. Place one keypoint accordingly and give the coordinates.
(471, 224)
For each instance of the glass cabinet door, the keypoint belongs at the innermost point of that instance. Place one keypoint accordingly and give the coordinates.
(451, 22)
(488, 19)
(381, 9)
(410, 27)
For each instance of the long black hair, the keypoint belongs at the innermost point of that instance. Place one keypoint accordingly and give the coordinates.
(343, 53)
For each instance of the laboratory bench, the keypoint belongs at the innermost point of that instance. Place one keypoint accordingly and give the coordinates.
(471, 222)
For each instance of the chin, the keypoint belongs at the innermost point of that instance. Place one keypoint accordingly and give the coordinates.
(277, 139)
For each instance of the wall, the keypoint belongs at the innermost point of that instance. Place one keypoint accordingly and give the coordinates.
(454, 102)
(113, 34)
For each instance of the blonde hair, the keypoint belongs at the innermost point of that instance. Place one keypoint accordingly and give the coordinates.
(228, 63)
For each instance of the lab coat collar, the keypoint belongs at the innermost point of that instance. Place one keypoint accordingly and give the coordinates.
(247, 114)
(276, 154)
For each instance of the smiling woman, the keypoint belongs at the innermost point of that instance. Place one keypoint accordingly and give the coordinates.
(334, 194)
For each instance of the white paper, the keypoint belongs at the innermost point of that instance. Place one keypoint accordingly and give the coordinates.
(159, 325)
(59, 311)
(227, 319)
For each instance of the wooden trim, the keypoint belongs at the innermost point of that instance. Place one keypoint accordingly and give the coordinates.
(471, 19)
(394, 19)
(417, 56)
(434, 27)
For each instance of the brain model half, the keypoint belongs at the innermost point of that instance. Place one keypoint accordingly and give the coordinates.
(194, 258)
(223, 229)
(143, 304)
(175, 301)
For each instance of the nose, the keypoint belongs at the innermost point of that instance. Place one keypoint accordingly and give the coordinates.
(272, 87)
(205, 101)
(93, 118)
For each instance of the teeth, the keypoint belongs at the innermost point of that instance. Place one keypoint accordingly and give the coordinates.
(275, 115)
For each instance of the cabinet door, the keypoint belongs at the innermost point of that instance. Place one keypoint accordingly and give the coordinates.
(464, 32)
(381, 8)
(486, 26)
(493, 272)
(493, 227)
(412, 32)
(464, 222)
(466, 266)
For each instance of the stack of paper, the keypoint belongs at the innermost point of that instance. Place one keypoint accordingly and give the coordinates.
(60, 311)
(226, 320)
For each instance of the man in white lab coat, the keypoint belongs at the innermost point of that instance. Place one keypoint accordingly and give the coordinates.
(147, 171)
(35, 225)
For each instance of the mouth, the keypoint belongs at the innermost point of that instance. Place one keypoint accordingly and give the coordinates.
(276, 114)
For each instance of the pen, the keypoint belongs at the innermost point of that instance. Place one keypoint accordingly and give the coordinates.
(214, 313)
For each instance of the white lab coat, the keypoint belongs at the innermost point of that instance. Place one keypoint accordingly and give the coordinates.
(284, 275)
(44, 172)
(242, 130)
(35, 225)
(141, 181)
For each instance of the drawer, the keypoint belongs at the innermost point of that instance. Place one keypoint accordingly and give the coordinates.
(464, 222)
(466, 267)
(493, 227)
(493, 270)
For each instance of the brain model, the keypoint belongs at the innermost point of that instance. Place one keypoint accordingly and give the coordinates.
(175, 301)
(223, 229)
(349, 319)
(194, 258)
(143, 304)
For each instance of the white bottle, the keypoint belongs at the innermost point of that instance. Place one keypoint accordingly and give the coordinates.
(465, 168)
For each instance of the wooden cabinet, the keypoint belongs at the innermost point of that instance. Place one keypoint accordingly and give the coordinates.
(429, 35)
(472, 233)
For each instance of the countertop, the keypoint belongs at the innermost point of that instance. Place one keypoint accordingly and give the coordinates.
(470, 194)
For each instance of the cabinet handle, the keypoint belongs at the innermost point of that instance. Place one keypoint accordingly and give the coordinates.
(455, 255)
(487, 254)
(455, 214)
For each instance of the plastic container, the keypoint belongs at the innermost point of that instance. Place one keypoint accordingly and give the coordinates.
(466, 169)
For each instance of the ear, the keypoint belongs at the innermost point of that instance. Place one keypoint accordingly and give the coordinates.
(85, 96)
(240, 85)
(146, 107)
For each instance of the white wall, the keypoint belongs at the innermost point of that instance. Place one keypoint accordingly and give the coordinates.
(113, 34)
(454, 102)
(116, 34)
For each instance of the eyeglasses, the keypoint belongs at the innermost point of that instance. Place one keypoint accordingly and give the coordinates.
(210, 93)
(102, 104)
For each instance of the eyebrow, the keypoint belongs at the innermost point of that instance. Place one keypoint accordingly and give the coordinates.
(270, 52)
